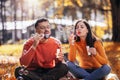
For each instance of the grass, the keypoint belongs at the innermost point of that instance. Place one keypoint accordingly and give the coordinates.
(11, 50)
(112, 51)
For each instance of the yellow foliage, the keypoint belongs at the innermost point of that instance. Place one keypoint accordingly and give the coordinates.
(65, 48)
(112, 51)
(58, 3)
(68, 3)
(80, 3)
(13, 50)
(99, 32)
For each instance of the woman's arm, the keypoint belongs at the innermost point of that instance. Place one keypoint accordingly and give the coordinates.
(100, 56)
(72, 53)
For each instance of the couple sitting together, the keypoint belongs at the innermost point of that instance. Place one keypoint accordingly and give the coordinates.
(42, 57)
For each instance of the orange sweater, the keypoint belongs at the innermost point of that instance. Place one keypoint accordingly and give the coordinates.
(43, 56)
(78, 51)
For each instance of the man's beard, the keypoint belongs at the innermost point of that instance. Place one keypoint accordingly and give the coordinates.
(46, 36)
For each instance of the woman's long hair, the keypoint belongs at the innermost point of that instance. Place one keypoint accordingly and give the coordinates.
(90, 39)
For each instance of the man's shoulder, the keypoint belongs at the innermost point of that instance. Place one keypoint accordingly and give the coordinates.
(29, 41)
(56, 40)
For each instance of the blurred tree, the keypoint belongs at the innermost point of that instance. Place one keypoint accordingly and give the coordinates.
(86, 6)
(15, 19)
(69, 10)
(115, 5)
(21, 3)
(3, 19)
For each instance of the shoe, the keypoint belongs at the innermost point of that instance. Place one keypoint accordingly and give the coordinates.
(20, 78)
(24, 72)
(31, 75)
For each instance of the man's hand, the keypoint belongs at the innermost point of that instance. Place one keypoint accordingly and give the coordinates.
(37, 38)
(60, 56)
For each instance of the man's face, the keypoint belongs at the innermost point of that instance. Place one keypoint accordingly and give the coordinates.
(43, 28)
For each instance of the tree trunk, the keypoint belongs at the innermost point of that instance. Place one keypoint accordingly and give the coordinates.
(3, 20)
(115, 5)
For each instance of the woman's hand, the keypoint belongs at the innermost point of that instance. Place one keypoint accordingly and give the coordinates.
(92, 50)
(71, 39)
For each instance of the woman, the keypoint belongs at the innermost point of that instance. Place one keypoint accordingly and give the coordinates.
(88, 51)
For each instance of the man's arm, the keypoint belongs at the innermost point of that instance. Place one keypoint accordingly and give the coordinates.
(29, 49)
(27, 53)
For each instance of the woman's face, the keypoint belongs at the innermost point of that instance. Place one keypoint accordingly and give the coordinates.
(81, 30)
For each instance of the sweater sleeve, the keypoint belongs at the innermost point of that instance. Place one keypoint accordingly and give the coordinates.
(72, 53)
(27, 54)
(101, 56)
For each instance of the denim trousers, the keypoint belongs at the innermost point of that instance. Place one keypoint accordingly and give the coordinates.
(88, 74)
(55, 73)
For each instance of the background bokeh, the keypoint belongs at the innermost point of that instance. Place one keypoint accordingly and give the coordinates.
(18, 18)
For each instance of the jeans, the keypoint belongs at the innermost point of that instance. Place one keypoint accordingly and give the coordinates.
(89, 74)
(55, 73)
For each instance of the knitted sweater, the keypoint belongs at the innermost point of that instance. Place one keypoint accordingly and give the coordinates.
(78, 52)
(43, 56)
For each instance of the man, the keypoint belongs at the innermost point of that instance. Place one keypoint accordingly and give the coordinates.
(42, 56)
